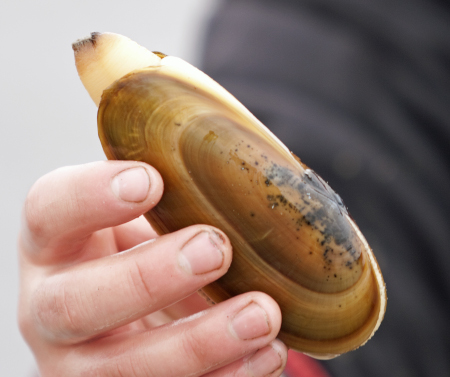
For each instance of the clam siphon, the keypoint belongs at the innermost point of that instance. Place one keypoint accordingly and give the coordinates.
(292, 236)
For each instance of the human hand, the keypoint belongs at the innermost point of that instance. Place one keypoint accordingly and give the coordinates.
(87, 308)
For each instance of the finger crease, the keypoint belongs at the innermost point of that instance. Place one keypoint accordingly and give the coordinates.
(67, 311)
(142, 282)
(192, 348)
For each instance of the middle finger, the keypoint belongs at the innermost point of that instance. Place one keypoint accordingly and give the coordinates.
(97, 296)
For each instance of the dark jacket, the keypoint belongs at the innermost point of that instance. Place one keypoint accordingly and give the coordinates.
(360, 91)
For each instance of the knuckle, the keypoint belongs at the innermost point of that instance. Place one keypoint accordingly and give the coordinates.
(48, 200)
(126, 365)
(115, 368)
(192, 345)
(32, 213)
(58, 311)
(40, 208)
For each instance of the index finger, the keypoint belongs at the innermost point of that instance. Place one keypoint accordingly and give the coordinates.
(66, 206)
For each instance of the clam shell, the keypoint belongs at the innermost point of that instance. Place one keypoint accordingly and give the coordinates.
(291, 234)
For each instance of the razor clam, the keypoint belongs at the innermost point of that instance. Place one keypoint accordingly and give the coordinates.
(292, 236)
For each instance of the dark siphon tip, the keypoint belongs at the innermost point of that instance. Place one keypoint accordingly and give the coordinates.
(90, 40)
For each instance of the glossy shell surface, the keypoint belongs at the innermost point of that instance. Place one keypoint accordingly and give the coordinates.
(291, 234)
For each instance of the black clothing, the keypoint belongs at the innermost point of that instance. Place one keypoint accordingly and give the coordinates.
(360, 91)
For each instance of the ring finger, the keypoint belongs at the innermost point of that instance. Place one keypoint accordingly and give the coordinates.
(193, 346)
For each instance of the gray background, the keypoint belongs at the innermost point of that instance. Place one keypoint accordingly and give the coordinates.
(48, 120)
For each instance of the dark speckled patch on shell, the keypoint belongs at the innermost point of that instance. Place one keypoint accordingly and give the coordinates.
(320, 207)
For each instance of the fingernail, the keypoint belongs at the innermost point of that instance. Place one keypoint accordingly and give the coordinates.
(131, 185)
(201, 254)
(264, 362)
(251, 322)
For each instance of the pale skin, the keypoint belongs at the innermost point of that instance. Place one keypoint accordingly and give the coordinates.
(100, 290)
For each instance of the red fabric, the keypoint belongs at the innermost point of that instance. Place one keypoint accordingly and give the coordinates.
(300, 365)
